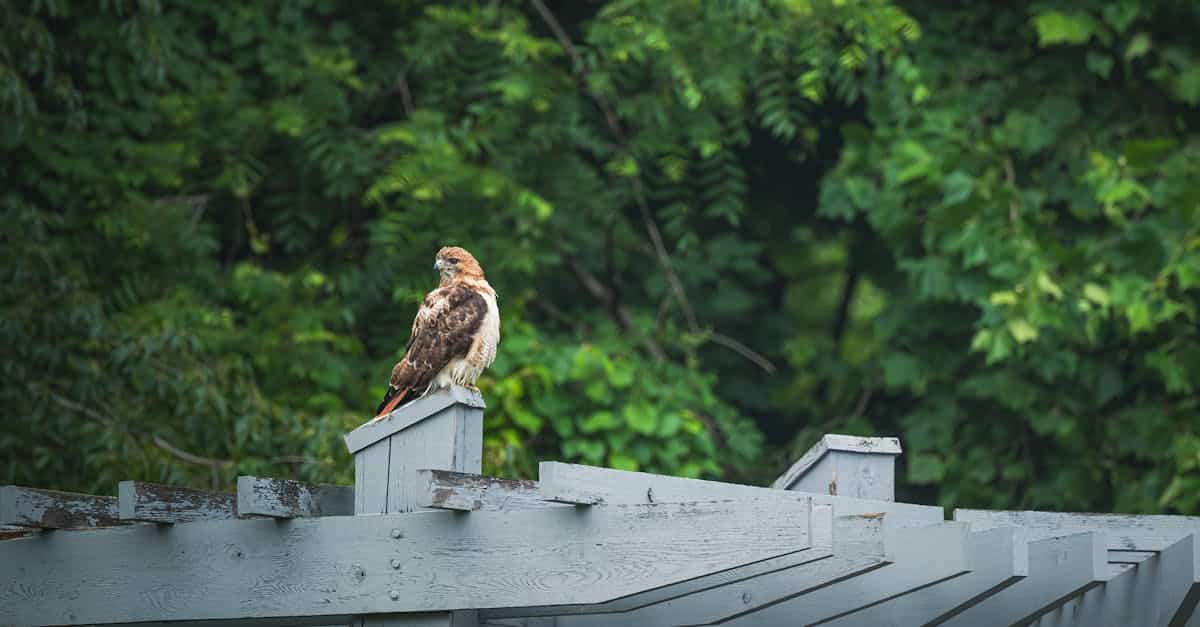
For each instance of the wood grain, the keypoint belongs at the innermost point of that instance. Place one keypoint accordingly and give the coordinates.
(620, 486)
(333, 566)
(467, 492)
(153, 502)
(285, 498)
(50, 509)
(1059, 568)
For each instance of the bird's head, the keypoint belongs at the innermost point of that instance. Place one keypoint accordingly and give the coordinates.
(455, 263)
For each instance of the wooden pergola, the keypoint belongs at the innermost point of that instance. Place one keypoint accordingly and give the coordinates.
(423, 540)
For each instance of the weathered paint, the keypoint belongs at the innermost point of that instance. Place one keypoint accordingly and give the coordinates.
(874, 458)
(467, 492)
(50, 509)
(152, 502)
(332, 566)
(559, 481)
(285, 498)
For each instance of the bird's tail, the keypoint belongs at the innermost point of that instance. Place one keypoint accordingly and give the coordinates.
(390, 402)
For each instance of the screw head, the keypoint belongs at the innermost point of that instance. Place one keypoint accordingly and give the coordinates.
(395, 563)
(394, 594)
(746, 597)
(396, 533)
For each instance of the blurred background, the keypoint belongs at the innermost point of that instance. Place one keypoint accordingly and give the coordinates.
(718, 230)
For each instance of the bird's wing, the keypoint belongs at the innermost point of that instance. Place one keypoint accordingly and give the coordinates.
(444, 328)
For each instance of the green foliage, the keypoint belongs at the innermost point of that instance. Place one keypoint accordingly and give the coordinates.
(717, 230)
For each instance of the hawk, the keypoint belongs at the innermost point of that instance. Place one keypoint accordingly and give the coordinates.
(454, 335)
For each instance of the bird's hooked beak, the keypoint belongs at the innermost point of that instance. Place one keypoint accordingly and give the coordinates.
(438, 265)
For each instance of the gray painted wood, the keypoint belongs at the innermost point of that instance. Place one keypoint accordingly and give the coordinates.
(467, 492)
(1059, 569)
(821, 537)
(153, 502)
(1124, 532)
(332, 566)
(442, 430)
(285, 498)
(371, 471)
(996, 557)
(50, 509)
(1148, 593)
(845, 465)
(859, 551)
(919, 556)
(406, 416)
(440, 442)
(620, 486)
(425, 619)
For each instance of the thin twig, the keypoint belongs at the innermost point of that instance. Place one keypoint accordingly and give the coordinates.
(603, 294)
(1010, 176)
(189, 457)
(406, 98)
(745, 351)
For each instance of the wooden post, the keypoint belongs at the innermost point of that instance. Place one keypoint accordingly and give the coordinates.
(442, 430)
(844, 465)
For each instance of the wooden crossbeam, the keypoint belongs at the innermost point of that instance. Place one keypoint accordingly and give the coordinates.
(157, 503)
(468, 492)
(51, 509)
(859, 535)
(428, 561)
(858, 551)
(1123, 531)
(919, 556)
(1059, 569)
(997, 558)
(285, 498)
(1150, 591)
(574, 483)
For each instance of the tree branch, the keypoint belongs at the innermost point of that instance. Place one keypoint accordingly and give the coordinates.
(602, 293)
(756, 358)
(189, 457)
(581, 72)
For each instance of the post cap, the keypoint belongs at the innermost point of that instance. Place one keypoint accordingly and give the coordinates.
(410, 414)
(836, 442)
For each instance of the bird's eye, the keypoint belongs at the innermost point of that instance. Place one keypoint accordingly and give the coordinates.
(452, 260)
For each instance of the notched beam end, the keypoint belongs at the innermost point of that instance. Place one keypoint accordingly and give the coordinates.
(286, 498)
(165, 504)
(50, 509)
(466, 492)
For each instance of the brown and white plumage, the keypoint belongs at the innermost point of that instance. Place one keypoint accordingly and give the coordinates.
(454, 335)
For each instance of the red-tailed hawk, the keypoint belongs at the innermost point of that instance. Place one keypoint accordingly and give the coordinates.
(454, 335)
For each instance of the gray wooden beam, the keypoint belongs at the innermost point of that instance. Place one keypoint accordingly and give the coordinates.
(468, 492)
(845, 465)
(1148, 592)
(858, 551)
(559, 481)
(420, 562)
(50, 509)
(1124, 532)
(997, 558)
(919, 556)
(285, 498)
(1059, 569)
(157, 503)
(855, 533)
